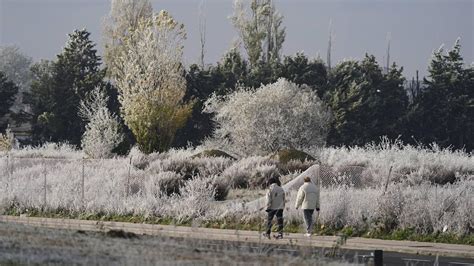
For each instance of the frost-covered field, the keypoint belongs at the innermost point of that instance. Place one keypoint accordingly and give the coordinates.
(429, 190)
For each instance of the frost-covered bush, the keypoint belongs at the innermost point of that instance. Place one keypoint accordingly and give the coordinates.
(116, 186)
(137, 158)
(169, 183)
(187, 165)
(221, 188)
(213, 153)
(425, 209)
(7, 141)
(194, 201)
(290, 160)
(270, 118)
(48, 150)
(103, 130)
(251, 172)
(411, 164)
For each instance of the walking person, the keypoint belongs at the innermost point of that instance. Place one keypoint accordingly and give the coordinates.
(275, 203)
(308, 200)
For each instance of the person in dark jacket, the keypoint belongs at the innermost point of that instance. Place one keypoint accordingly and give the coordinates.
(275, 203)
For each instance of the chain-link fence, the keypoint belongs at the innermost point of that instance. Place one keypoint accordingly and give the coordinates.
(356, 176)
(38, 179)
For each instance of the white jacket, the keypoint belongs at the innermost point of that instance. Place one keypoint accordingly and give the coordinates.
(308, 197)
(275, 198)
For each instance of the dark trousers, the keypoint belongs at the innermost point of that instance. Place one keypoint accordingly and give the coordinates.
(279, 216)
(308, 220)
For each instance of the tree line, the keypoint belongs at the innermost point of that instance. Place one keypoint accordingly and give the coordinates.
(158, 101)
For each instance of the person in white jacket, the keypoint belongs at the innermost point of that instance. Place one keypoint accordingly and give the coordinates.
(308, 200)
(275, 203)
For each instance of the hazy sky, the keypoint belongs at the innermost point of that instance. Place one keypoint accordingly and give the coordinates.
(417, 27)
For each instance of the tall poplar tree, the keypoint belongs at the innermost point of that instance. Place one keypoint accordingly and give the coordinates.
(260, 29)
(123, 18)
(153, 84)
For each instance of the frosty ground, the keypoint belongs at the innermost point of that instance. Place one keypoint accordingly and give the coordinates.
(20, 244)
(119, 243)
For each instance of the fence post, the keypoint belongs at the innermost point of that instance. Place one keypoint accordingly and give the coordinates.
(82, 185)
(10, 175)
(12, 167)
(128, 177)
(388, 180)
(44, 185)
(7, 174)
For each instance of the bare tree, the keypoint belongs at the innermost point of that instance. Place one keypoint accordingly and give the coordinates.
(329, 45)
(389, 38)
(202, 30)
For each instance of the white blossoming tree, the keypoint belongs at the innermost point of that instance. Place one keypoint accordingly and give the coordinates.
(270, 118)
(153, 85)
(103, 130)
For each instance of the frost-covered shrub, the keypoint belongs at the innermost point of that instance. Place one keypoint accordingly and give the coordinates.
(138, 159)
(425, 209)
(194, 201)
(113, 186)
(389, 207)
(411, 164)
(251, 172)
(213, 153)
(49, 150)
(295, 166)
(189, 166)
(103, 130)
(169, 183)
(287, 155)
(291, 160)
(263, 174)
(7, 141)
(221, 188)
(272, 117)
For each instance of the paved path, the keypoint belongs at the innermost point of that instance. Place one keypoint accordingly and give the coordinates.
(356, 243)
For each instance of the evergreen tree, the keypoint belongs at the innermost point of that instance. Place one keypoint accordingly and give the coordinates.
(262, 73)
(232, 69)
(300, 70)
(8, 90)
(221, 79)
(366, 103)
(59, 86)
(199, 86)
(16, 67)
(444, 110)
(393, 108)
